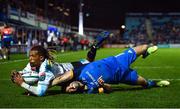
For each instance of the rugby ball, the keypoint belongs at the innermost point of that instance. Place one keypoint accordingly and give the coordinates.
(31, 77)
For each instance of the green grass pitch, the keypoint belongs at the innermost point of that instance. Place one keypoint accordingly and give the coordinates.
(164, 64)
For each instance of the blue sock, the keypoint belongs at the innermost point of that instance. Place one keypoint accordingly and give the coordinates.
(150, 83)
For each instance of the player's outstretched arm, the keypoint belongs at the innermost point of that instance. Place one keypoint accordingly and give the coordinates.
(62, 78)
(38, 90)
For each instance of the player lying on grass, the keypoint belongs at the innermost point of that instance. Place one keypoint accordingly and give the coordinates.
(97, 76)
(41, 61)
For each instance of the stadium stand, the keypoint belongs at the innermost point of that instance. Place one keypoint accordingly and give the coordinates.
(159, 28)
(35, 24)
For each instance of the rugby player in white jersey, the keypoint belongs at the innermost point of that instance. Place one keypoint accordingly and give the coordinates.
(42, 62)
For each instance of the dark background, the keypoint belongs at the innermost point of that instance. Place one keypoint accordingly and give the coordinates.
(102, 13)
(111, 13)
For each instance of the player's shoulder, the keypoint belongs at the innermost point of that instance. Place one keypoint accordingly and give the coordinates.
(45, 65)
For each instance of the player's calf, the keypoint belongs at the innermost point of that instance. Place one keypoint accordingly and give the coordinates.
(150, 50)
(100, 38)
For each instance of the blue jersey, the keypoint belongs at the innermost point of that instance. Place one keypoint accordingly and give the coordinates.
(114, 69)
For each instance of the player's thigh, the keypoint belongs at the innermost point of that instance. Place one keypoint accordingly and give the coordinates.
(131, 77)
(127, 57)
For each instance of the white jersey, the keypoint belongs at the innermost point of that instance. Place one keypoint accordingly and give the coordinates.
(47, 72)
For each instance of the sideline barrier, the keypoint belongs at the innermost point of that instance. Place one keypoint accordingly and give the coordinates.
(131, 45)
(18, 48)
(116, 46)
(169, 45)
(23, 48)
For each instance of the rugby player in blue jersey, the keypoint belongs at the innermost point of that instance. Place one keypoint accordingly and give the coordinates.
(94, 77)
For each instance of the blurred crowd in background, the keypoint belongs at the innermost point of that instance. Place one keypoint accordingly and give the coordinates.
(23, 25)
(160, 29)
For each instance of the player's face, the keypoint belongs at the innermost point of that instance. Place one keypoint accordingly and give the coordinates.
(35, 59)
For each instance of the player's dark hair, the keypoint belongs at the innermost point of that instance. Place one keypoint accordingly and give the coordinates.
(43, 52)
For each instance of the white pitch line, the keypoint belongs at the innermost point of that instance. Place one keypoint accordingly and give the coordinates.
(66, 54)
(167, 79)
(13, 61)
(20, 60)
(154, 67)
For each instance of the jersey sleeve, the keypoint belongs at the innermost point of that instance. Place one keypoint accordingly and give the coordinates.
(45, 73)
(91, 87)
(92, 90)
(38, 90)
(42, 86)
